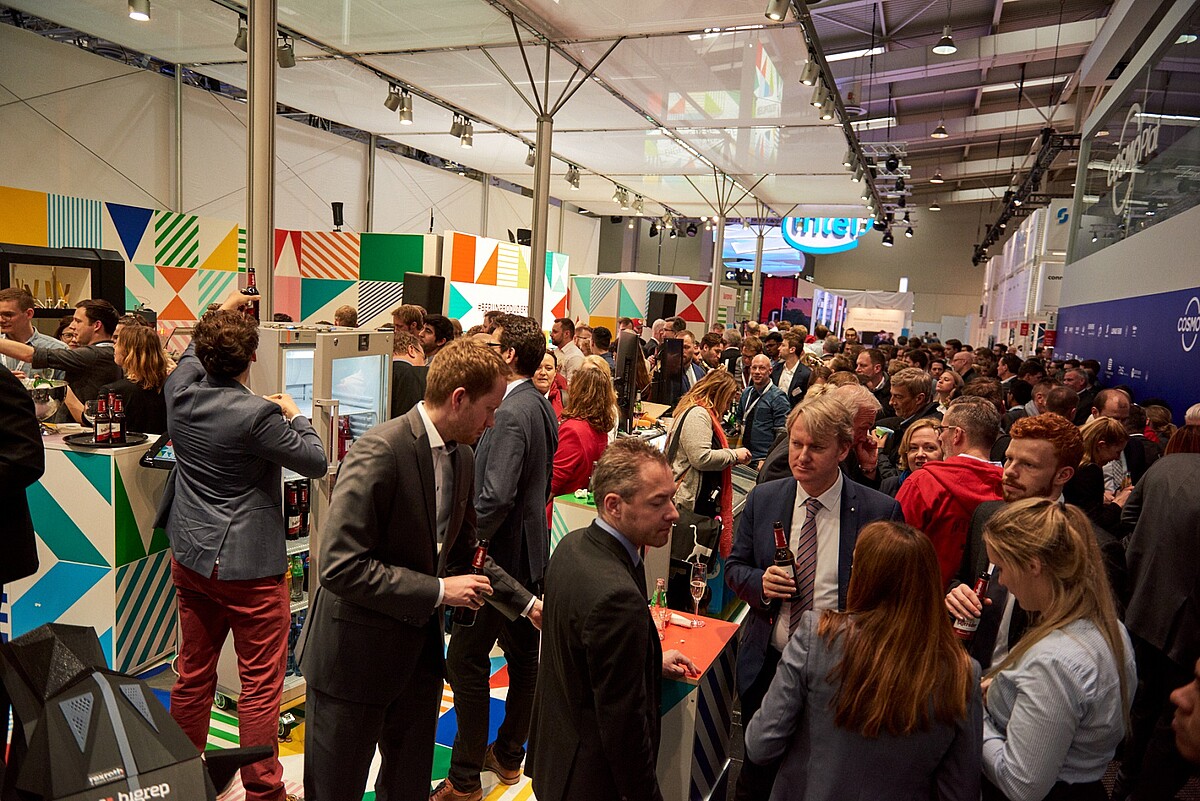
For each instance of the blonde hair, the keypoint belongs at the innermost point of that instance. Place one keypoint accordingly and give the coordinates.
(715, 392)
(906, 440)
(826, 416)
(1061, 539)
(1097, 430)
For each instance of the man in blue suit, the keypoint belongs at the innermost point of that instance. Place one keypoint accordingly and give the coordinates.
(821, 511)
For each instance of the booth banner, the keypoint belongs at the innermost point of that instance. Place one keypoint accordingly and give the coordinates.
(1151, 343)
(487, 274)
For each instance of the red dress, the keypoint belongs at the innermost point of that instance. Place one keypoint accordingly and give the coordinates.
(579, 447)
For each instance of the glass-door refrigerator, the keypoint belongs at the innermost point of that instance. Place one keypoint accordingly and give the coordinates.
(340, 378)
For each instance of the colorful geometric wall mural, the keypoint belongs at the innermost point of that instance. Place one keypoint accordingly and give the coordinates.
(602, 299)
(487, 274)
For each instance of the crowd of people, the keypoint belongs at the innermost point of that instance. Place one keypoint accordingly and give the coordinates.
(1012, 499)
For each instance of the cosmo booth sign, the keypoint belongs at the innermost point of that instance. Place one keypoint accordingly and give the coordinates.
(823, 234)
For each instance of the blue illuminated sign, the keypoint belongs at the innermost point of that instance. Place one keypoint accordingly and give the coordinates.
(823, 234)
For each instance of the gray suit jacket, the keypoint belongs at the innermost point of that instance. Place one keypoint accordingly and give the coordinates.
(224, 498)
(1164, 571)
(824, 762)
(513, 466)
(376, 606)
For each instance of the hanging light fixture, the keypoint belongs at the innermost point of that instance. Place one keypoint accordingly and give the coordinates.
(848, 159)
(392, 101)
(809, 72)
(940, 131)
(406, 114)
(887, 240)
(934, 206)
(456, 127)
(242, 41)
(467, 140)
(858, 173)
(900, 184)
(945, 45)
(285, 53)
(937, 178)
(827, 111)
(777, 10)
(573, 176)
(139, 10)
(908, 232)
(639, 205)
(820, 95)
(616, 194)
(531, 157)
(631, 219)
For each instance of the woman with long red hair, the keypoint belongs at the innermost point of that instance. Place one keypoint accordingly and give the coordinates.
(879, 701)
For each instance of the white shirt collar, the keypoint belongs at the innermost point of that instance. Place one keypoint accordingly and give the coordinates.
(435, 438)
(513, 385)
(830, 498)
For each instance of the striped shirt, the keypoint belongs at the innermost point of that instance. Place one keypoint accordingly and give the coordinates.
(1057, 714)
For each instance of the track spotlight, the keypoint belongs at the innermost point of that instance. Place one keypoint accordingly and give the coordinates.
(456, 127)
(858, 173)
(392, 101)
(673, 233)
(879, 225)
(1095, 238)
(900, 184)
(1002, 225)
(777, 10)
(902, 201)
(945, 45)
(887, 240)
(907, 217)
(827, 111)
(653, 229)
(866, 192)
(1017, 201)
(937, 178)
(809, 72)
(285, 53)
(940, 131)
(908, 233)
(848, 159)
(630, 226)
(573, 176)
(892, 163)
(467, 140)
(531, 157)
(820, 95)
(616, 194)
(934, 206)
(406, 115)
(639, 205)
(691, 229)
(139, 10)
(241, 41)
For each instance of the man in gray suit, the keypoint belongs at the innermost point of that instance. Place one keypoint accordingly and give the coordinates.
(401, 527)
(512, 478)
(222, 511)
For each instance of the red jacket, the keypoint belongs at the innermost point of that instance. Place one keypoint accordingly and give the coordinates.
(579, 447)
(940, 499)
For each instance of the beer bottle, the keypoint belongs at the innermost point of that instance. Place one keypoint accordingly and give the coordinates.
(102, 430)
(292, 510)
(659, 609)
(784, 557)
(303, 486)
(251, 308)
(296, 565)
(465, 615)
(964, 627)
(117, 419)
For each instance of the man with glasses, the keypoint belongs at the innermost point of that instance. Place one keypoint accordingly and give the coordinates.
(940, 498)
(16, 323)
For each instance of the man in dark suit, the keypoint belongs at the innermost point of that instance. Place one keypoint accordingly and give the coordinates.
(1041, 458)
(408, 372)
(692, 371)
(22, 462)
(912, 399)
(223, 513)
(791, 375)
(400, 528)
(512, 479)
(1139, 452)
(596, 718)
(1164, 596)
(822, 511)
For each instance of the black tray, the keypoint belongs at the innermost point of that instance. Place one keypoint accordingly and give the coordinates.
(86, 440)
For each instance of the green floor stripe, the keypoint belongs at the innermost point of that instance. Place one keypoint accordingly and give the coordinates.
(224, 718)
(220, 735)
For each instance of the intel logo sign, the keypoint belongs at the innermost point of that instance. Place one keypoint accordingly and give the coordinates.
(823, 234)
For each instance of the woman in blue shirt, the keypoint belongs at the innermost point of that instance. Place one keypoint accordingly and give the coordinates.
(1058, 705)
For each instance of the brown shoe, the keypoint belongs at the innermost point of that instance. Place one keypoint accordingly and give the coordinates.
(508, 776)
(446, 792)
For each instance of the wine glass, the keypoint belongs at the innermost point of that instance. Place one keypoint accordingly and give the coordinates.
(699, 580)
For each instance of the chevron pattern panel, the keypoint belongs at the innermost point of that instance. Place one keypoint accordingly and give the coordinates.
(176, 239)
(145, 610)
(329, 254)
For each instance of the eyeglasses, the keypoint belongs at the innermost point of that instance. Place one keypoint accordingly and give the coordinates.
(492, 344)
(939, 428)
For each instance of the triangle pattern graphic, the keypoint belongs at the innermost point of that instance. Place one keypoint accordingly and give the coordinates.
(224, 255)
(459, 305)
(583, 288)
(177, 277)
(560, 310)
(490, 272)
(316, 292)
(626, 305)
(693, 291)
(96, 469)
(129, 539)
(176, 310)
(600, 289)
(148, 272)
(130, 222)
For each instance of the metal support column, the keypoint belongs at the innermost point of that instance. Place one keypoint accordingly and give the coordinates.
(541, 216)
(718, 269)
(179, 138)
(260, 181)
(756, 285)
(372, 144)
(485, 203)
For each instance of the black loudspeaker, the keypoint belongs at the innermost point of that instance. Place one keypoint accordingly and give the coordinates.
(660, 306)
(426, 291)
(338, 220)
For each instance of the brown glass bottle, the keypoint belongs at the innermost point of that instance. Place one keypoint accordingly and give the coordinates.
(465, 615)
(117, 419)
(251, 308)
(965, 627)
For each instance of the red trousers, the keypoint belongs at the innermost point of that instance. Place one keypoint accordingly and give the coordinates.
(257, 611)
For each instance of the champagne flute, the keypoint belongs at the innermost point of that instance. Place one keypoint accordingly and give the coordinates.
(699, 580)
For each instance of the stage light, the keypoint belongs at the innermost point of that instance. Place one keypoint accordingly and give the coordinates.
(777, 10)
(887, 240)
(241, 41)
(285, 53)
(139, 10)
(531, 157)
(940, 131)
(945, 45)
(392, 101)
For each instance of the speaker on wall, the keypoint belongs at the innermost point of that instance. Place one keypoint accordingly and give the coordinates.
(426, 291)
(660, 306)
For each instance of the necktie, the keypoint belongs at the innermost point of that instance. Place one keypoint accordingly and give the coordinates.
(445, 494)
(806, 565)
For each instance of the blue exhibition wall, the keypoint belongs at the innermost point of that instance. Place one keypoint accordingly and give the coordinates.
(1151, 343)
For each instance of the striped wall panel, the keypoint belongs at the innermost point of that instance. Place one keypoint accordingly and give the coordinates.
(376, 299)
(176, 239)
(145, 612)
(215, 286)
(710, 748)
(73, 222)
(508, 265)
(329, 255)
(241, 249)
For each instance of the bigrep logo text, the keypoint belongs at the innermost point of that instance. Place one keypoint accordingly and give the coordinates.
(153, 791)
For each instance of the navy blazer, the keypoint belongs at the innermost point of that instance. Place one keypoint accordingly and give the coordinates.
(754, 551)
(796, 390)
(225, 496)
